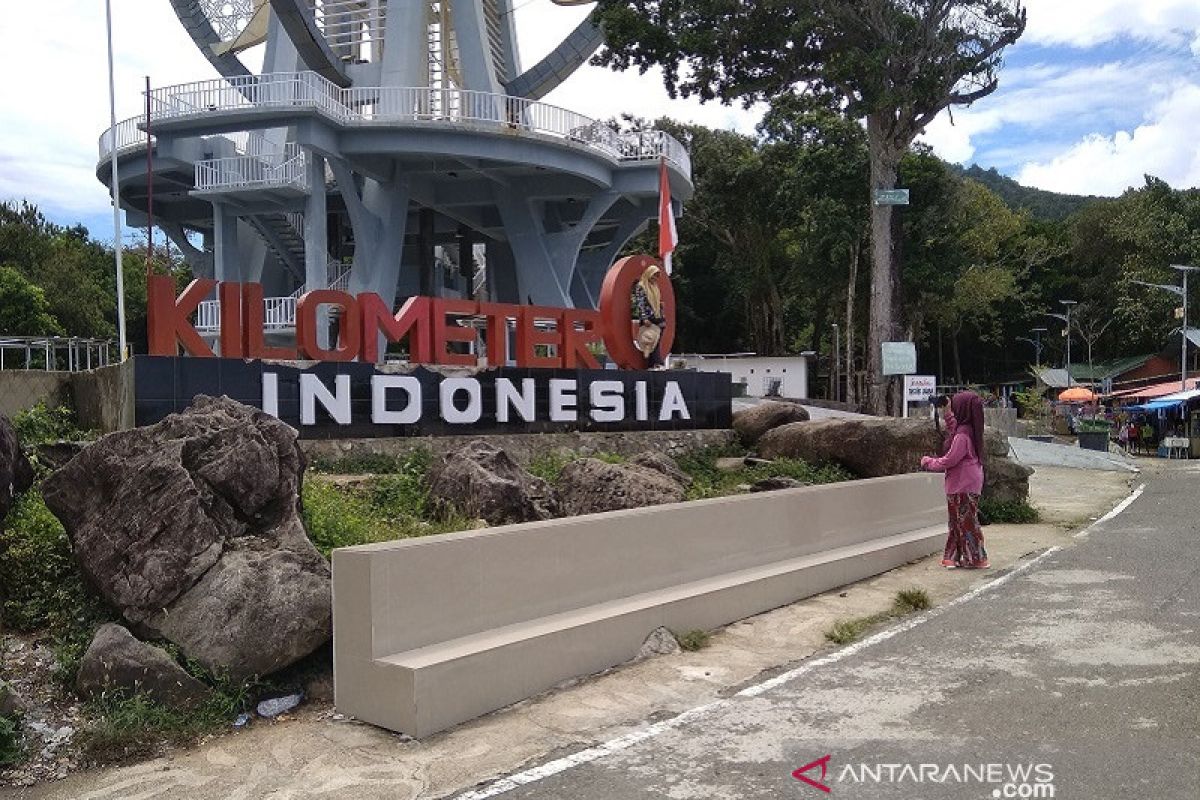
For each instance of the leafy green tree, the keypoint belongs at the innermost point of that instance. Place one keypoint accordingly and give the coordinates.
(24, 310)
(895, 63)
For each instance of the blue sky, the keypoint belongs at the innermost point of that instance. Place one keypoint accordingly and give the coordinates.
(1098, 93)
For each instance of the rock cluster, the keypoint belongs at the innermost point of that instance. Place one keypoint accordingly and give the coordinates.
(482, 481)
(191, 529)
(752, 423)
(115, 660)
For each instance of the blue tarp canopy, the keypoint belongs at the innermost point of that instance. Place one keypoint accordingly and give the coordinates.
(1157, 405)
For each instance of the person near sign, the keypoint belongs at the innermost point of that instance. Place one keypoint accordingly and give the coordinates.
(962, 463)
(648, 311)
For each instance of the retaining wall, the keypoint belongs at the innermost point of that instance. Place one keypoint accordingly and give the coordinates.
(434, 631)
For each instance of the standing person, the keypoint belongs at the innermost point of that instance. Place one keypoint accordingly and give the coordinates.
(1123, 437)
(648, 311)
(963, 466)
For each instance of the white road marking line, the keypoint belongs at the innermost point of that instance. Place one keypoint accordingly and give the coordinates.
(557, 766)
(1121, 506)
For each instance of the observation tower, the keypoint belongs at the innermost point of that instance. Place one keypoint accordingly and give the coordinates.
(388, 146)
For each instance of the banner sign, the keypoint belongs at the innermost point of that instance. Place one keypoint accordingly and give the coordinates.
(544, 337)
(335, 400)
(919, 388)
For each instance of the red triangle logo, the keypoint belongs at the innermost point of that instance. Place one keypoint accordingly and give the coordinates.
(823, 763)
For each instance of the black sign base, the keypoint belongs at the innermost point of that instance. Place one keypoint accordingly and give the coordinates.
(357, 401)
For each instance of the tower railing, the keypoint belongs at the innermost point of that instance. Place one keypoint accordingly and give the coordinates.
(374, 105)
(264, 170)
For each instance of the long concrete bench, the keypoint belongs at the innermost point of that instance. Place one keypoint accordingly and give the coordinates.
(434, 631)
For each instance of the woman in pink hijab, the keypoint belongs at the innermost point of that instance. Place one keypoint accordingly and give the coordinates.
(963, 464)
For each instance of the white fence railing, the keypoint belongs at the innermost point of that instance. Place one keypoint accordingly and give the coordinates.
(279, 313)
(365, 106)
(253, 171)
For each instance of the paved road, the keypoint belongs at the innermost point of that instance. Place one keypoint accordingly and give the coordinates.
(1088, 662)
(1049, 454)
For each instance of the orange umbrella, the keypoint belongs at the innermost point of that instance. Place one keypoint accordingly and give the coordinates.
(1077, 394)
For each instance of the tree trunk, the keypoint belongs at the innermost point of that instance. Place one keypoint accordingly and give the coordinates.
(958, 378)
(941, 374)
(885, 160)
(851, 294)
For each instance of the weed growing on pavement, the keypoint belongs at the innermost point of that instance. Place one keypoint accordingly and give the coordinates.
(906, 601)
(909, 600)
(693, 640)
(133, 726)
(1013, 512)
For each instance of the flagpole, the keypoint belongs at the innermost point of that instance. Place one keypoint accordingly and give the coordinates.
(116, 189)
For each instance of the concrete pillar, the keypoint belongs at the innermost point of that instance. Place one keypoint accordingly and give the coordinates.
(406, 56)
(474, 49)
(226, 258)
(316, 239)
(426, 263)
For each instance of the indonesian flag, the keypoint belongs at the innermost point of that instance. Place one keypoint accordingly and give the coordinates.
(668, 237)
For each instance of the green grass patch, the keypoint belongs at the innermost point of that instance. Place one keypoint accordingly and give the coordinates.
(906, 601)
(693, 640)
(709, 481)
(549, 465)
(366, 464)
(389, 506)
(997, 512)
(41, 586)
(124, 727)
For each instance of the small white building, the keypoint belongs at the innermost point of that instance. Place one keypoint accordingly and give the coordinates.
(762, 376)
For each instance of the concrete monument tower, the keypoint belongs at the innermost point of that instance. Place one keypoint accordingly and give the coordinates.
(390, 146)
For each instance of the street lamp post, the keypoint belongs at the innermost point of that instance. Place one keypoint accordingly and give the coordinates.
(1182, 292)
(1067, 319)
(1036, 341)
(837, 361)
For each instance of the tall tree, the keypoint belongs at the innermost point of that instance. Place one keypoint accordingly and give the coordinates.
(895, 63)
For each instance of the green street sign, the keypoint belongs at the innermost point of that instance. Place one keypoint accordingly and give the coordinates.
(891, 197)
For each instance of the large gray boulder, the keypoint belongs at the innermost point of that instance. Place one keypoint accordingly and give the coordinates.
(116, 661)
(663, 463)
(481, 481)
(877, 446)
(191, 529)
(16, 473)
(753, 422)
(589, 486)
(11, 703)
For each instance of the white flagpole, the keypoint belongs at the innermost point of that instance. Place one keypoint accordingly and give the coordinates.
(112, 113)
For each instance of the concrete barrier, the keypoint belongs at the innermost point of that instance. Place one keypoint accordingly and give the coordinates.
(434, 631)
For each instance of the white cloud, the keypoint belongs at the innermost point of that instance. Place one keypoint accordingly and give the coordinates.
(54, 95)
(1164, 147)
(1086, 23)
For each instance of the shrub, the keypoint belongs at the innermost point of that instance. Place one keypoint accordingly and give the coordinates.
(40, 424)
(42, 587)
(368, 463)
(10, 742)
(996, 512)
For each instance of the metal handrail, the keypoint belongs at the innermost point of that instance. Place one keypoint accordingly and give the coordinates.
(373, 105)
(279, 313)
(252, 171)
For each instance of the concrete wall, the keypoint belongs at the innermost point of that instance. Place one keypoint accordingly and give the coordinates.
(433, 631)
(523, 447)
(23, 389)
(103, 398)
(757, 373)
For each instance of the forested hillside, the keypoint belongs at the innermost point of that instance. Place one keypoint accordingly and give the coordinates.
(1040, 203)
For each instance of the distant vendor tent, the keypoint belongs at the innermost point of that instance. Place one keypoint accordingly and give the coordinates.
(1169, 402)
(1077, 394)
(1153, 392)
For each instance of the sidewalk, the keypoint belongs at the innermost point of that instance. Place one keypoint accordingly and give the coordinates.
(316, 754)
